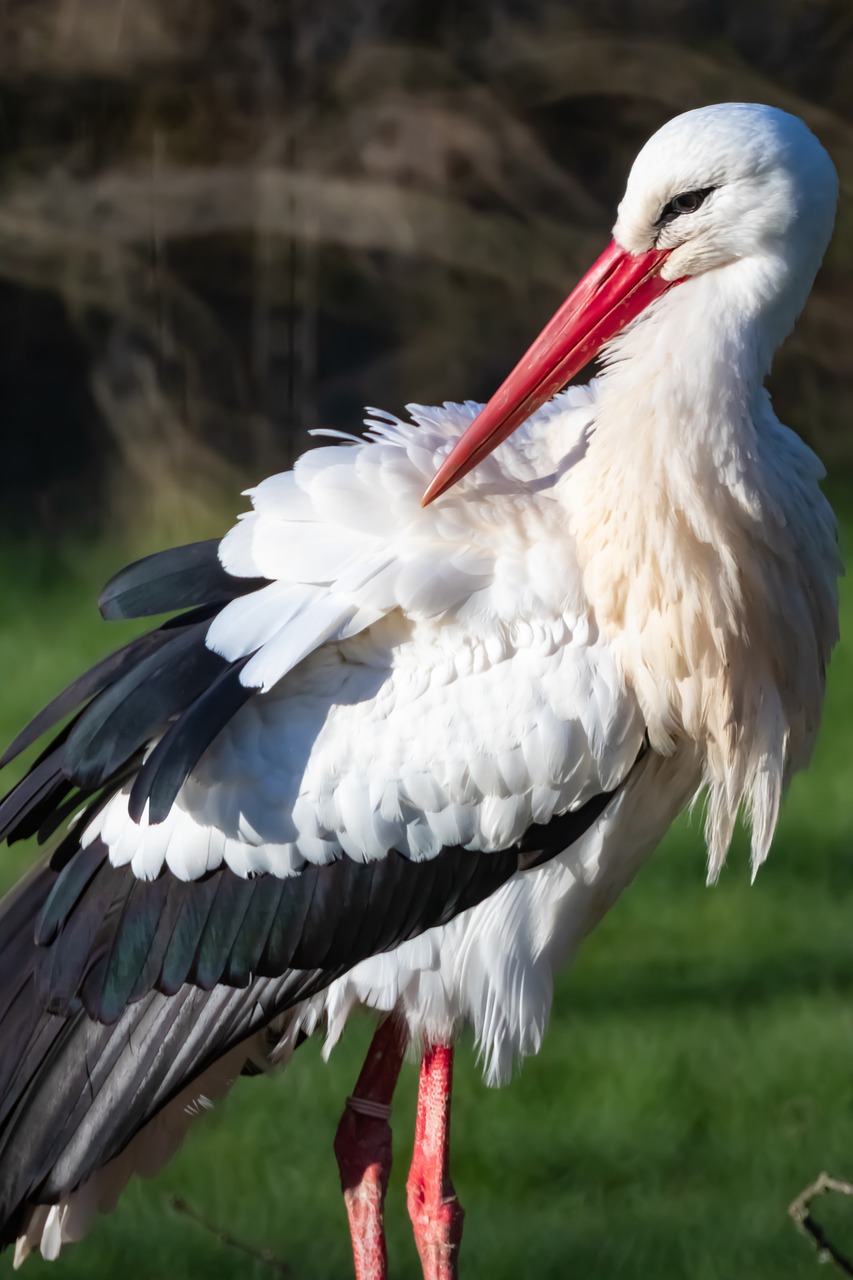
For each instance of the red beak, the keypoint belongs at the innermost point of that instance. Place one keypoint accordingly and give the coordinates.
(613, 292)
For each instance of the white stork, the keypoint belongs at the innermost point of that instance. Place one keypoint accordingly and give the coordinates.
(407, 753)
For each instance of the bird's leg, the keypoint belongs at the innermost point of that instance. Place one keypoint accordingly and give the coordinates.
(433, 1206)
(363, 1148)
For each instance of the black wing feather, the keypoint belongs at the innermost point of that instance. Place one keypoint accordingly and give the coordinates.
(169, 906)
(215, 945)
(117, 972)
(196, 899)
(65, 893)
(174, 579)
(131, 711)
(244, 958)
(182, 746)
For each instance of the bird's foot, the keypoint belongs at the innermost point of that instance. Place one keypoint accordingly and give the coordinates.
(363, 1149)
(434, 1208)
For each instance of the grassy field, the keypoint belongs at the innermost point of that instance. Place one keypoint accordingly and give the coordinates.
(698, 1071)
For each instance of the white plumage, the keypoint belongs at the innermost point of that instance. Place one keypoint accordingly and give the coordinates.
(647, 560)
(419, 716)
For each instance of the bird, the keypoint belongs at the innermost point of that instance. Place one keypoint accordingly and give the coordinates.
(425, 711)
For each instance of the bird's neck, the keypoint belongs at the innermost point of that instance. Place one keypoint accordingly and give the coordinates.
(686, 384)
(690, 529)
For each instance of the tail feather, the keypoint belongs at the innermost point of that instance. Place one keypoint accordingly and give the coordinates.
(77, 1095)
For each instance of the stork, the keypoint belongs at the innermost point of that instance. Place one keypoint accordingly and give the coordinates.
(405, 751)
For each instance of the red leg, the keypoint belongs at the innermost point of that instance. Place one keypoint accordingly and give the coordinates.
(433, 1207)
(363, 1148)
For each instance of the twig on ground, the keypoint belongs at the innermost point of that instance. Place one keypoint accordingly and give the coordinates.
(800, 1212)
(266, 1256)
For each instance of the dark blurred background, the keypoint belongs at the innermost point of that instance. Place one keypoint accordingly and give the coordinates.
(223, 222)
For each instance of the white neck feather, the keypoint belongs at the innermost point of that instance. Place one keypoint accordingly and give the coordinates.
(707, 548)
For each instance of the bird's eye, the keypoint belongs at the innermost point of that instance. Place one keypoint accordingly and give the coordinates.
(687, 202)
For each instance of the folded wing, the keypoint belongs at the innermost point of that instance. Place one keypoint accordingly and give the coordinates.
(355, 685)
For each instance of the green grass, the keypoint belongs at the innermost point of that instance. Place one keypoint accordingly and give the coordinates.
(698, 1071)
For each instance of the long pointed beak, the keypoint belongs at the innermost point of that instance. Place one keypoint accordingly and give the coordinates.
(617, 287)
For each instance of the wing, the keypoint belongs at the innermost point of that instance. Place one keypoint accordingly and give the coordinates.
(365, 719)
(357, 684)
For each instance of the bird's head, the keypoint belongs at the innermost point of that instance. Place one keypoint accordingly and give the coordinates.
(729, 182)
(726, 184)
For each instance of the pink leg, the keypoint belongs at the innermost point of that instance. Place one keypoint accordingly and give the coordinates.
(363, 1148)
(433, 1207)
